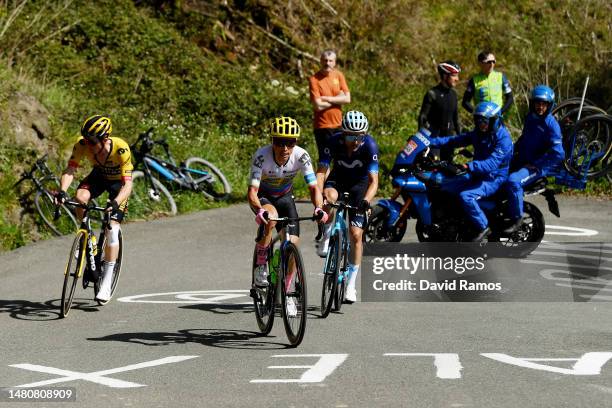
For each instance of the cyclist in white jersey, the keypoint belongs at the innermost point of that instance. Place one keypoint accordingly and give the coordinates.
(271, 186)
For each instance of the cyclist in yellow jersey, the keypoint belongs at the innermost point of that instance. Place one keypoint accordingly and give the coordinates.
(112, 172)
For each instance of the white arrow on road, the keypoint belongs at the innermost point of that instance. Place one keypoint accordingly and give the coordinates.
(98, 376)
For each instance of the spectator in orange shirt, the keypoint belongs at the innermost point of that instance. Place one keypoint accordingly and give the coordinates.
(328, 92)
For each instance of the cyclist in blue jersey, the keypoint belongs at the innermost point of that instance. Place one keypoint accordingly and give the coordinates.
(271, 186)
(538, 152)
(352, 154)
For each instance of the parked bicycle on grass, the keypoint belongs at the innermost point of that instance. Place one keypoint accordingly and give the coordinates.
(151, 195)
(46, 184)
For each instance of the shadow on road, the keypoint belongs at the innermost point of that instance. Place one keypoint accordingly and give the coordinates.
(224, 338)
(220, 308)
(41, 311)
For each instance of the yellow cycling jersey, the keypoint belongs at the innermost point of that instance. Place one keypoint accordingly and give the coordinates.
(118, 165)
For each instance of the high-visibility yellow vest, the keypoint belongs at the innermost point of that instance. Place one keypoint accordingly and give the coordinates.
(489, 88)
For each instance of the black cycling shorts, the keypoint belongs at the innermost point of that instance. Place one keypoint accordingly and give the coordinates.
(356, 190)
(285, 207)
(96, 184)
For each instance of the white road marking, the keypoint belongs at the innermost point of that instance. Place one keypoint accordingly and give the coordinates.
(316, 373)
(98, 376)
(570, 231)
(587, 364)
(221, 296)
(447, 365)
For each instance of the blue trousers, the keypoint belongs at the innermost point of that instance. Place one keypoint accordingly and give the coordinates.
(515, 185)
(470, 191)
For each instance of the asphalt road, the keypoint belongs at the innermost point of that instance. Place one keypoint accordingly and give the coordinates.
(181, 330)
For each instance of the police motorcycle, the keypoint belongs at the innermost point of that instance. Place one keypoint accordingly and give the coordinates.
(418, 179)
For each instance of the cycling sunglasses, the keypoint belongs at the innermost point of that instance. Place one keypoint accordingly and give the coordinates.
(281, 142)
(353, 138)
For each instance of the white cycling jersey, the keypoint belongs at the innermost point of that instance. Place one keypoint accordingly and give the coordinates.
(275, 179)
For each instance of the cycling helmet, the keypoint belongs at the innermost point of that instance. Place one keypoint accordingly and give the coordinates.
(487, 111)
(355, 122)
(542, 93)
(285, 127)
(97, 126)
(448, 68)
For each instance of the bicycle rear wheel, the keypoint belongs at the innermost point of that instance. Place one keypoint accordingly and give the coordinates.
(330, 275)
(45, 205)
(293, 286)
(74, 270)
(263, 298)
(210, 180)
(148, 202)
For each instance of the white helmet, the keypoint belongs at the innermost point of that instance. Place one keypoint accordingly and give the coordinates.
(355, 121)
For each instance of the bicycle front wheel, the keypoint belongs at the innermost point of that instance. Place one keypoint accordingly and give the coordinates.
(45, 205)
(74, 270)
(342, 276)
(150, 198)
(294, 298)
(263, 298)
(209, 179)
(330, 275)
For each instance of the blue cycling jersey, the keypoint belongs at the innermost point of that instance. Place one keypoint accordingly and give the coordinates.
(354, 166)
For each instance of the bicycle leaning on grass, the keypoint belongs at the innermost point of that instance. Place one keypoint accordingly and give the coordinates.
(287, 277)
(194, 174)
(45, 185)
(85, 257)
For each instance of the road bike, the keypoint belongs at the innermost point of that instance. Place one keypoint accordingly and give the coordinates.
(85, 257)
(287, 277)
(194, 174)
(46, 184)
(335, 268)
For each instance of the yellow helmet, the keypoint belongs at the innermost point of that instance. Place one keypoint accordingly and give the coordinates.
(97, 126)
(284, 126)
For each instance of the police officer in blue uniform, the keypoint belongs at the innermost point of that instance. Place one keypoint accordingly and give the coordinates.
(537, 153)
(489, 169)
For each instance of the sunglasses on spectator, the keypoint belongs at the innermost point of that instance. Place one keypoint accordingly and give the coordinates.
(284, 142)
(489, 62)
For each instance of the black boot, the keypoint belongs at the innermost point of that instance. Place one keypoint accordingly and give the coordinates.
(482, 235)
(515, 225)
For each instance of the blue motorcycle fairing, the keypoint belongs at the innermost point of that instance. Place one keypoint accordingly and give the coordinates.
(409, 182)
(393, 207)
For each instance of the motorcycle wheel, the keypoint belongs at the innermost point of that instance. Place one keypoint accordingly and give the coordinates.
(528, 236)
(377, 230)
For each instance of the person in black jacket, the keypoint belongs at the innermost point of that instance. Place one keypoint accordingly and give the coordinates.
(439, 110)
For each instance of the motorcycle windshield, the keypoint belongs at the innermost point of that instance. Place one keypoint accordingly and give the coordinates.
(415, 145)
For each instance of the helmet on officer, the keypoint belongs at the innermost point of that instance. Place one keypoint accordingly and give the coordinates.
(489, 113)
(542, 93)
